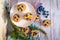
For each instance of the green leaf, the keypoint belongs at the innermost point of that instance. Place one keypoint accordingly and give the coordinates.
(37, 28)
(18, 34)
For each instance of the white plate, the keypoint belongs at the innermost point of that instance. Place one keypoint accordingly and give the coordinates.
(23, 22)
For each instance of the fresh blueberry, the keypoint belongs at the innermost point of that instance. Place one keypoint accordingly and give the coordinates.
(39, 9)
(46, 14)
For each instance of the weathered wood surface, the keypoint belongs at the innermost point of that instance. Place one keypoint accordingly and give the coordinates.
(53, 6)
(3, 21)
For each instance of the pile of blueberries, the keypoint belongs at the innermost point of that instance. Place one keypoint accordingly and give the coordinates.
(42, 9)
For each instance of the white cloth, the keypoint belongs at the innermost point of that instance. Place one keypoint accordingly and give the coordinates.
(3, 21)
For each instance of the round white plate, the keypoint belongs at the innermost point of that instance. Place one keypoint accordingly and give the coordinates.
(22, 22)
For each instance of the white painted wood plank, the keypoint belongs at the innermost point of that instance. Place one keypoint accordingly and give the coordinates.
(46, 4)
(53, 6)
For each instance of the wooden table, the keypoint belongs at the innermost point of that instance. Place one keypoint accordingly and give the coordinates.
(53, 6)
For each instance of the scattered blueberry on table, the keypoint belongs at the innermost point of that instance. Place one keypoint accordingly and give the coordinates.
(44, 12)
(39, 9)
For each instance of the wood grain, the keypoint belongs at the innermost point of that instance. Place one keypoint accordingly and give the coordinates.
(53, 6)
